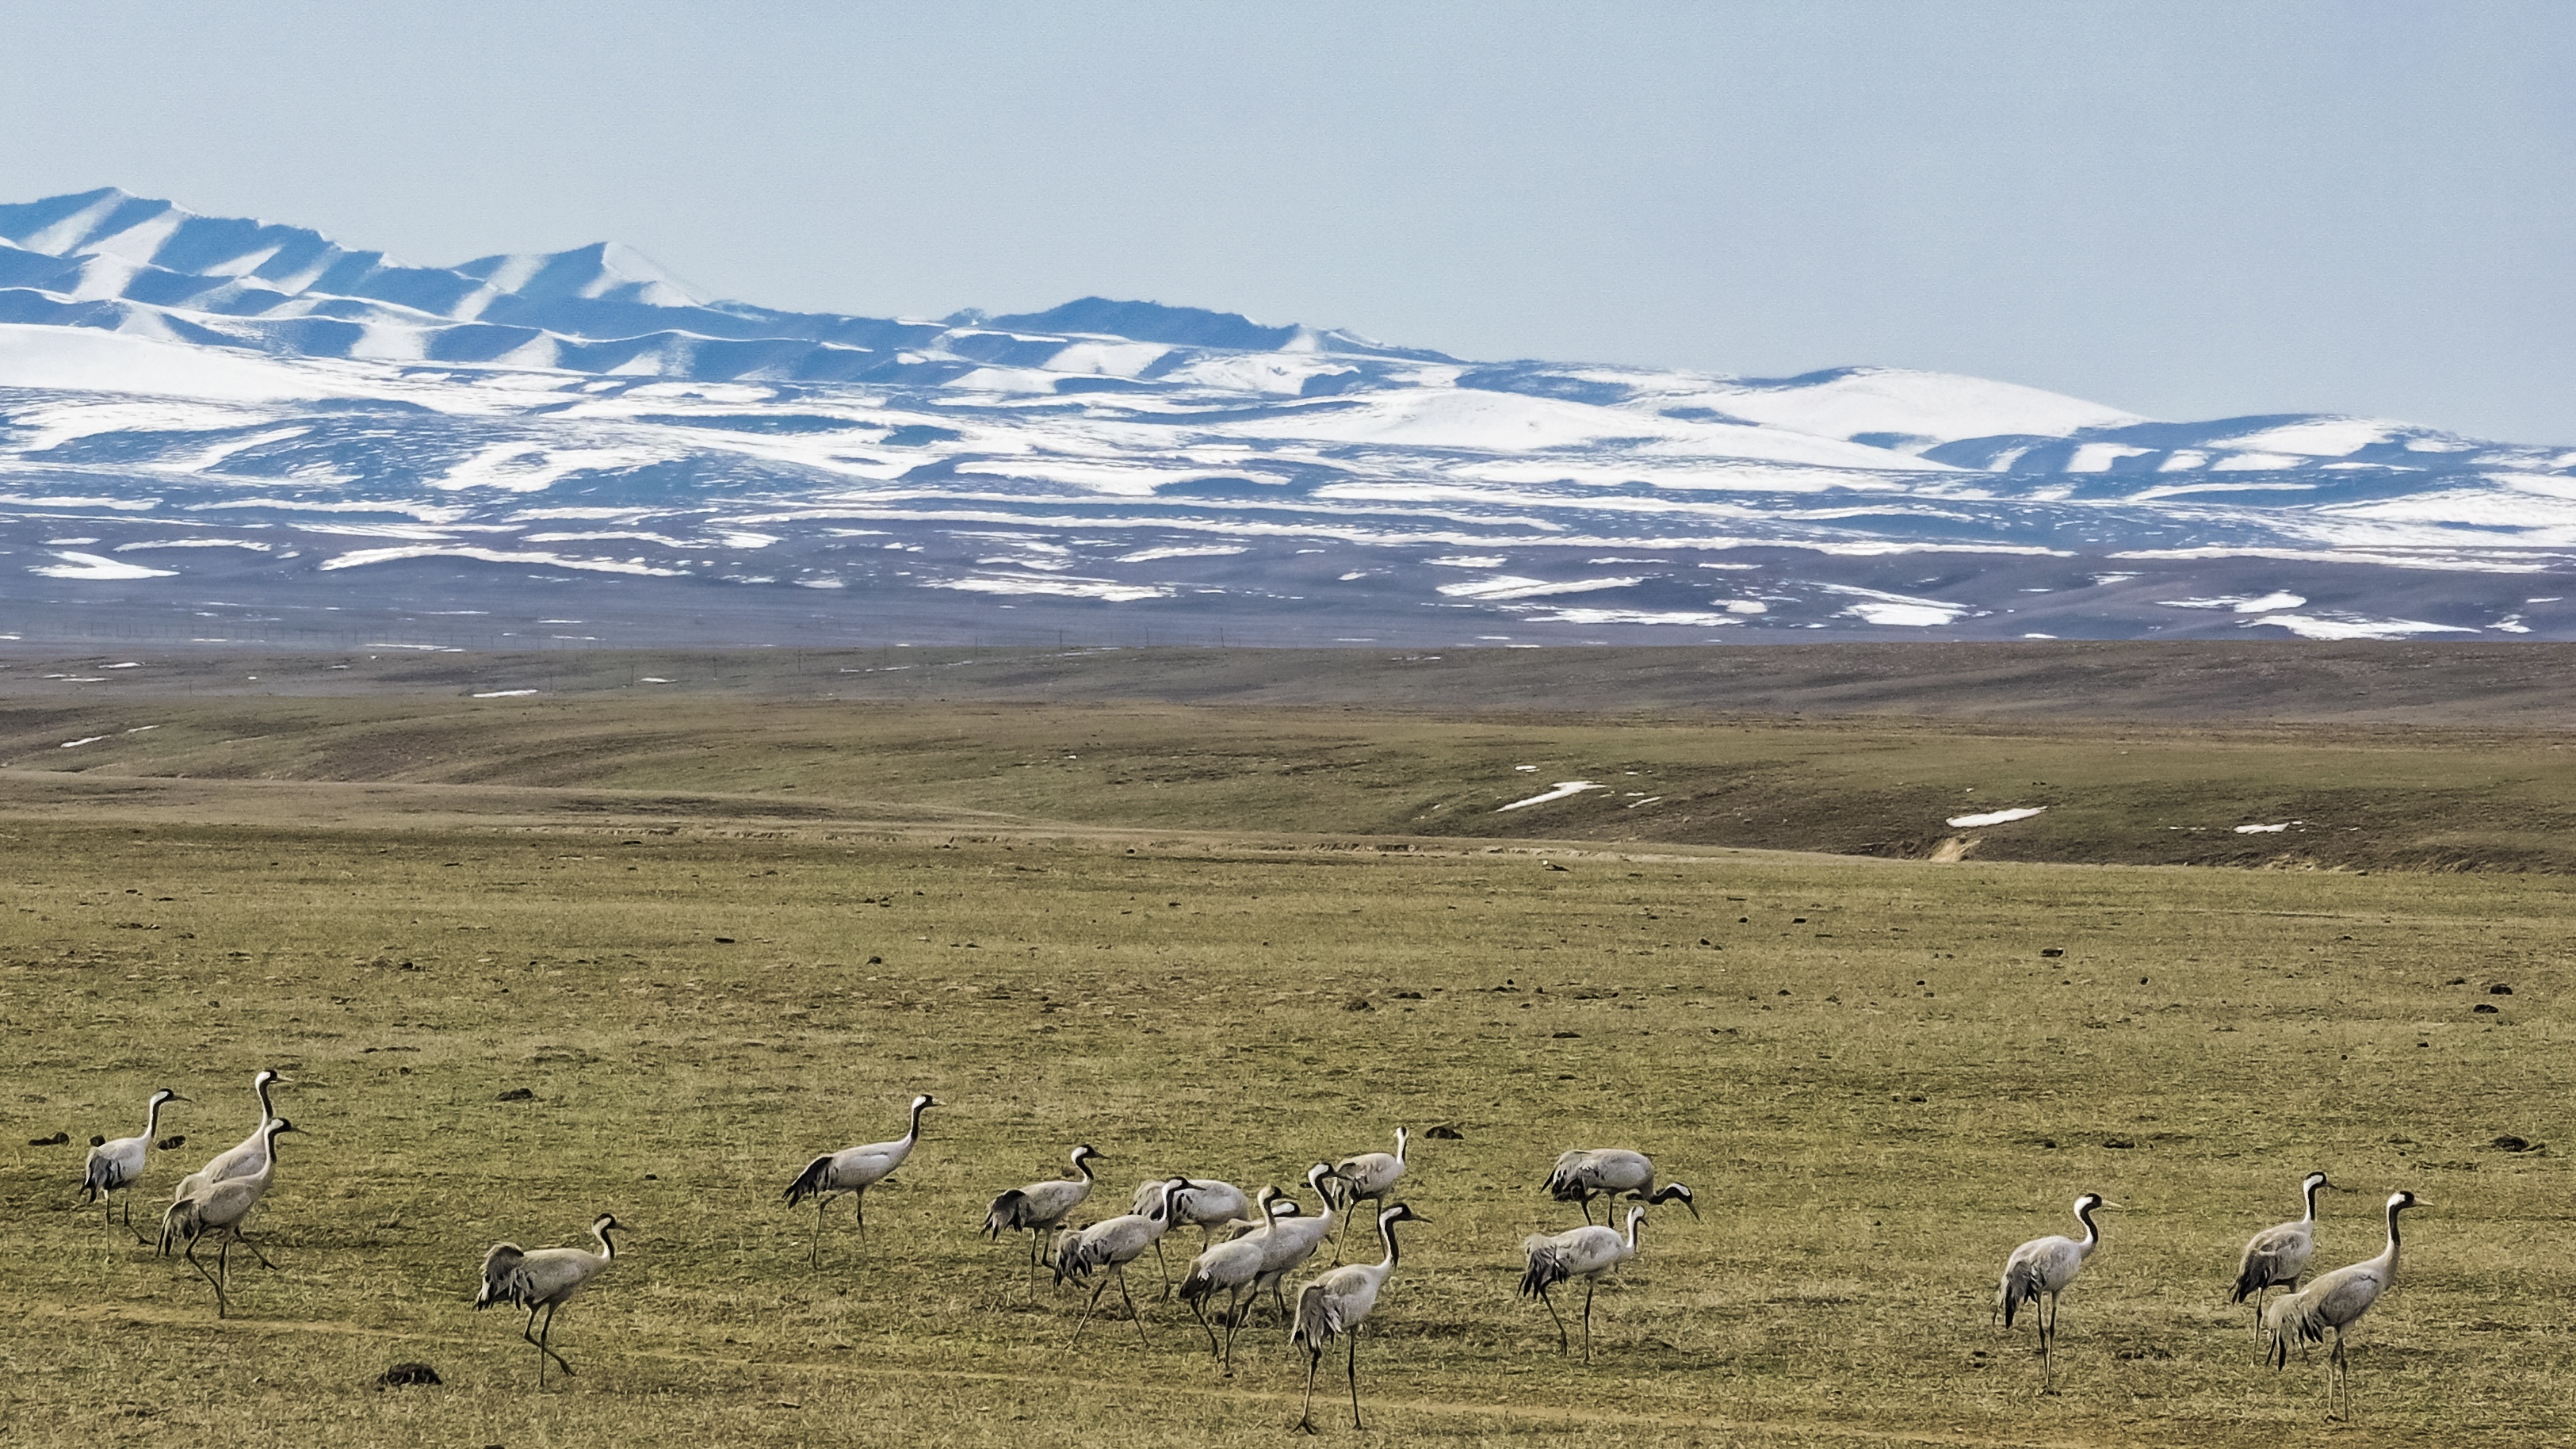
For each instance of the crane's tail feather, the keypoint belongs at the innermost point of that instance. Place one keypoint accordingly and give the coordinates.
(1314, 1324)
(1546, 1268)
(810, 1181)
(1005, 1215)
(2018, 1288)
(502, 1280)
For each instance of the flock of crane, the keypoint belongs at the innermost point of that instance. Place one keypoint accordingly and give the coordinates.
(1249, 1246)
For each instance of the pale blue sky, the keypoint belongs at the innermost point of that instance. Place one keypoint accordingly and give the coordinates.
(2187, 210)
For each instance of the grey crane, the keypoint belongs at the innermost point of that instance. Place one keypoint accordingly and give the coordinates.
(1612, 1172)
(853, 1170)
(117, 1166)
(1291, 1239)
(1040, 1208)
(1336, 1304)
(548, 1278)
(2278, 1256)
(219, 1207)
(1233, 1268)
(1112, 1244)
(1586, 1252)
(1202, 1202)
(2043, 1267)
(1369, 1177)
(246, 1157)
(2336, 1301)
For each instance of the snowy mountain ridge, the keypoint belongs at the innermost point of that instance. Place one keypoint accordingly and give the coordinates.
(192, 404)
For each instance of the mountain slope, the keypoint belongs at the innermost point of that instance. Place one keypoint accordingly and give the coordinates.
(211, 419)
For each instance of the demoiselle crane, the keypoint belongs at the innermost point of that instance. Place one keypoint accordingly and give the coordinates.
(2336, 1301)
(2278, 1256)
(1112, 1244)
(853, 1170)
(117, 1166)
(2042, 1268)
(1586, 1252)
(548, 1278)
(1612, 1172)
(1040, 1208)
(219, 1207)
(1336, 1304)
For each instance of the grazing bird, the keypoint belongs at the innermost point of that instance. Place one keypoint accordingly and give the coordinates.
(2336, 1301)
(245, 1158)
(853, 1170)
(117, 1166)
(1202, 1202)
(2043, 1267)
(1040, 1208)
(2278, 1257)
(548, 1278)
(219, 1207)
(1112, 1244)
(1612, 1172)
(1289, 1240)
(1370, 1176)
(1233, 1268)
(1336, 1304)
(1586, 1252)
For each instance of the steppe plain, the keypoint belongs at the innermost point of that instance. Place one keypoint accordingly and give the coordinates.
(1229, 912)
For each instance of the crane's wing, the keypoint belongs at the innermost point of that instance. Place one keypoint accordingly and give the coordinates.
(505, 1278)
(1546, 1265)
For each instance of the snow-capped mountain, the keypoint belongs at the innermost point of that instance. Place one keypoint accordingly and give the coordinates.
(223, 429)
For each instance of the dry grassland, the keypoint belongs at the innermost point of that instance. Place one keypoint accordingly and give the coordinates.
(1869, 1071)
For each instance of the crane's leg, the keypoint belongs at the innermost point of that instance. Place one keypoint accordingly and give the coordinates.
(1088, 1304)
(1588, 1285)
(1132, 1314)
(1306, 1408)
(528, 1333)
(814, 1248)
(545, 1347)
(1205, 1326)
(859, 1208)
(2341, 1378)
(1586, 1200)
(1234, 1312)
(220, 1306)
(1166, 1266)
(1352, 1366)
(1562, 1347)
(244, 1239)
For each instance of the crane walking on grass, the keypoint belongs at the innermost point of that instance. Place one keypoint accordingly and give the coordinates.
(1289, 1240)
(247, 1157)
(1233, 1268)
(1586, 1252)
(1335, 1305)
(219, 1207)
(1040, 1208)
(1202, 1202)
(853, 1170)
(2042, 1268)
(2336, 1301)
(1369, 1177)
(548, 1278)
(1113, 1244)
(2278, 1257)
(1612, 1172)
(117, 1166)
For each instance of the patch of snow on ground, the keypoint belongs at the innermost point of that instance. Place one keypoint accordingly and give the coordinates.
(2277, 599)
(366, 556)
(2353, 626)
(1062, 588)
(84, 740)
(1633, 616)
(1467, 561)
(250, 544)
(1512, 586)
(503, 693)
(94, 568)
(1214, 550)
(1564, 788)
(1993, 817)
(2267, 829)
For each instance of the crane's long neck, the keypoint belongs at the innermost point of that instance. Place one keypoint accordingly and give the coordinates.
(912, 1134)
(1635, 1217)
(607, 1249)
(2092, 1235)
(1401, 1138)
(259, 1084)
(1386, 1265)
(2310, 1189)
(152, 1117)
(2388, 1255)
(1082, 1164)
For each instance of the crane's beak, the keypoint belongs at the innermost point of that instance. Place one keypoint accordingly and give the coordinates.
(1694, 1209)
(175, 1097)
